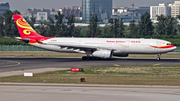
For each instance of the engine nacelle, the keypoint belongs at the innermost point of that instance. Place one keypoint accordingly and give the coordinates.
(106, 54)
(120, 55)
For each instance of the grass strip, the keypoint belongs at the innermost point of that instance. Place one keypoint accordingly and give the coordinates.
(125, 75)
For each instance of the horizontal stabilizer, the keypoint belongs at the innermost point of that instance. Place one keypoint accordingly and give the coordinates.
(40, 42)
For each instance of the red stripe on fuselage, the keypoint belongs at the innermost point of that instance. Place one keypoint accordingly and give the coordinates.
(163, 47)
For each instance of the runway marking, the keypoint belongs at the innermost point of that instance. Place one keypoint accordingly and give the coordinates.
(157, 64)
(17, 63)
(116, 65)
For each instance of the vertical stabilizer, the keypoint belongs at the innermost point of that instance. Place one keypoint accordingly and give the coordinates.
(25, 30)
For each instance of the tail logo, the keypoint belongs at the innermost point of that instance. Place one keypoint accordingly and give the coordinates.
(23, 24)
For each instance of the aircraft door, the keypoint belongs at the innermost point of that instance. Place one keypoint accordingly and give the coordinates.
(127, 43)
(158, 45)
(127, 46)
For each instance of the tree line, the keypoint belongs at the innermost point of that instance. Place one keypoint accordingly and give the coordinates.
(166, 28)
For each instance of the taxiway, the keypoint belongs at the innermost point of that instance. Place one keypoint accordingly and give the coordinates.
(16, 64)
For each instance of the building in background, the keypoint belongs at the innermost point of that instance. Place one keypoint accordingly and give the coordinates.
(41, 16)
(126, 17)
(125, 14)
(162, 9)
(75, 10)
(175, 10)
(26, 16)
(142, 10)
(119, 10)
(37, 13)
(102, 8)
(3, 7)
(169, 8)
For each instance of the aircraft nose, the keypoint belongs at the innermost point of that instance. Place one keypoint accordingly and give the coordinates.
(174, 48)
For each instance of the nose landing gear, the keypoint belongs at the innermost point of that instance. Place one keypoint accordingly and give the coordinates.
(159, 57)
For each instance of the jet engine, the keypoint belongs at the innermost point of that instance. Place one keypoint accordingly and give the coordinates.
(106, 54)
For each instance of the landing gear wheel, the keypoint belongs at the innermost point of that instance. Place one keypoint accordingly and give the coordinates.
(84, 58)
(158, 58)
(90, 58)
(95, 58)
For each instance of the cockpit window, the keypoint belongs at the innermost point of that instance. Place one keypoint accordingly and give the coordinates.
(168, 43)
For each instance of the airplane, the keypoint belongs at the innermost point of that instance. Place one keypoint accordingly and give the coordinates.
(94, 48)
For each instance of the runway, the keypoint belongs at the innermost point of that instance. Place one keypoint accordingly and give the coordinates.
(16, 64)
(82, 92)
(86, 92)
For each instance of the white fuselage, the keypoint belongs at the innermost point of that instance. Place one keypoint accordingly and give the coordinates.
(119, 45)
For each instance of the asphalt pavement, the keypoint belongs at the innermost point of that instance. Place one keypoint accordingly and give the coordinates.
(17, 66)
(86, 92)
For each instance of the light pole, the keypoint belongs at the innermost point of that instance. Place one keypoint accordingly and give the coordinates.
(132, 9)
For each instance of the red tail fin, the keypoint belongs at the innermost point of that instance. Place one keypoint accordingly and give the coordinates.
(25, 30)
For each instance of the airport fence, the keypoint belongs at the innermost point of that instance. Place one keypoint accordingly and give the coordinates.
(19, 48)
(32, 48)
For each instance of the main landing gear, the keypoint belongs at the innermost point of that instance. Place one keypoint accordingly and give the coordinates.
(86, 58)
(90, 58)
(159, 57)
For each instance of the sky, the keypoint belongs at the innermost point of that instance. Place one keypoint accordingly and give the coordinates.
(21, 5)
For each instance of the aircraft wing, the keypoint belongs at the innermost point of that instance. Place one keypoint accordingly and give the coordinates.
(75, 47)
